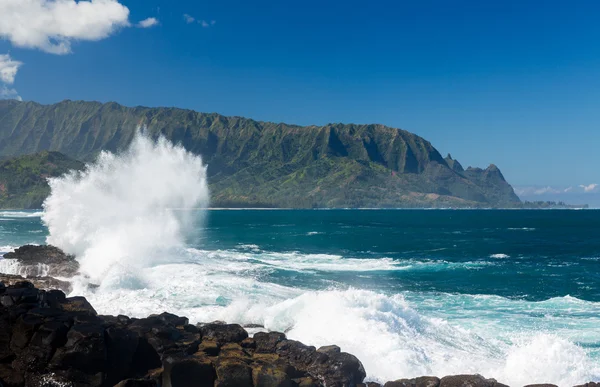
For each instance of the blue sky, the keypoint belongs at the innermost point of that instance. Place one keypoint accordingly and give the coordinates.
(515, 83)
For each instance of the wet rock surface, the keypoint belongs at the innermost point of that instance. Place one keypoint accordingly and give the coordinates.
(44, 260)
(46, 283)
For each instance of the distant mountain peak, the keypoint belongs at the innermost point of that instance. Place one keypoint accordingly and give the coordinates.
(454, 164)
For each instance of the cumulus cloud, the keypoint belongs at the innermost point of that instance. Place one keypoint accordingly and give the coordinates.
(6, 93)
(188, 18)
(589, 188)
(8, 69)
(52, 25)
(148, 23)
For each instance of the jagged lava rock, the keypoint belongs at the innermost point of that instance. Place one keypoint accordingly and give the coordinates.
(35, 260)
(469, 381)
(46, 283)
(423, 381)
(47, 339)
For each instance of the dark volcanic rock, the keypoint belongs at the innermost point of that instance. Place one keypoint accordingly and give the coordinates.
(469, 381)
(45, 283)
(47, 339)
(330, 349)
(333, 369)
(44, 260)
(267, 342)
(423, 381)
(224, 333)
(232, 372)
(184, 372)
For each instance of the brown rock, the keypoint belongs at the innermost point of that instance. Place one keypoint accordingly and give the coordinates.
(78, 304)
(209, 347)
(270, 376)
(306, 382)
(248, 343)
(232, 350)
(233, 373)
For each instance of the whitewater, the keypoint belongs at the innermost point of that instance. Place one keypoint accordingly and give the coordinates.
(509, 295)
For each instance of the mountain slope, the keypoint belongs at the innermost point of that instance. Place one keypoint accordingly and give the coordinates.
(262, 163)
(23, 179)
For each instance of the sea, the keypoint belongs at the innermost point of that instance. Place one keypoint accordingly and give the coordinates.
(509, 294)
(513, 294)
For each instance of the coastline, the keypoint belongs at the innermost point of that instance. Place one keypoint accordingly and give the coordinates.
(49, 340)
(46, 334)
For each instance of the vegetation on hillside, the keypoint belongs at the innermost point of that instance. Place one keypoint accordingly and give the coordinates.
(24, 179)
(263, 164)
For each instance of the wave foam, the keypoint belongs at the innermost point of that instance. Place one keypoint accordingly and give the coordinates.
(391, 335)
(500, 256)
(118, 217)
(119, 212)
(20, 214)
(13, 267)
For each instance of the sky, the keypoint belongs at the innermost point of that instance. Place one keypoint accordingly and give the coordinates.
(514, 83)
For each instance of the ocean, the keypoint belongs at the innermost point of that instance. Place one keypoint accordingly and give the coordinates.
(513, 295)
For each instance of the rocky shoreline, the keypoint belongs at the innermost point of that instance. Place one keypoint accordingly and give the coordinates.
(50, 340)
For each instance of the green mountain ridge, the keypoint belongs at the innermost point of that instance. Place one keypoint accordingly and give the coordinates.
(23, 179)
(263, 164)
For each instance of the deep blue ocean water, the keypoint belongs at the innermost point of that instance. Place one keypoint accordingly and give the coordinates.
(513, 295)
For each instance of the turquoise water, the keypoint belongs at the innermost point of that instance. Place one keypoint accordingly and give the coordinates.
(513, 295)
(531, 255)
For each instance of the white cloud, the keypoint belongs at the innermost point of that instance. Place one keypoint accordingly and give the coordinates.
(568, 189)
(147, 23)
(589, 188)
(189, 19)
(207, 24)
(8, 69)
(6, 93)
(546, 190)
(52, 25)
